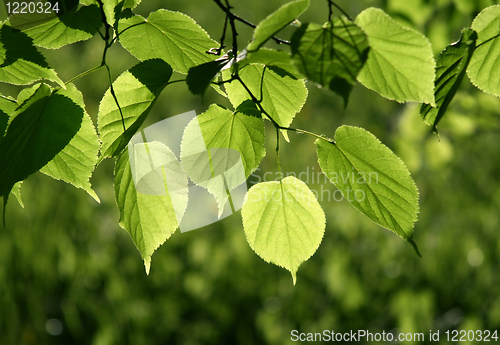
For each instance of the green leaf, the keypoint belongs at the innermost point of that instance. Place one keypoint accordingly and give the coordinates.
(283, 95)
(451, 66)
(221, 128)
(76, 162)
(16, 190)
(400, 64)
(271, 57)
(199, 77)
(40, 128)
(203, 154)
(136, 91)
(329, 55)
(171, 36)
(20, 62)
(7, 107)
(372, 178)
(151, 218)
(483, 68)
(276, 21)
(73, 26)
(112, 8)
(283, 222)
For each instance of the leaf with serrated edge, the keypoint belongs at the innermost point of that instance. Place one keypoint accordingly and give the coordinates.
(171, 36)
(111, 6)
(330, 55)
(372, 178)
(75, 163)
(215, 130)
(73, 26)
(283, 222)
(39, 129)
(283, 95)
(451, 66)
(483, 69)
(21, 63)
(149, 219)
(271, 57)
(136, 91)
(400, 64)
(16, 190)
(277, 21)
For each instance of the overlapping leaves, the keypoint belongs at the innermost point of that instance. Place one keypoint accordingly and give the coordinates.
(331, 55)
(451, 66)
(136, 92)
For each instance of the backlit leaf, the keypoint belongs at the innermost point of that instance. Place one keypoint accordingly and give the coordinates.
(283, 222)
(136, 91)
(483, 68)
(372, 178)
(451, 66)
(171, 36)
(400, 64)
(276, 21)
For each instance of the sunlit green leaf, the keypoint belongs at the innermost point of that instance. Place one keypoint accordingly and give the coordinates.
(372, 178)
(400, 64)
(271, 57)
(20, 62)
(329, 55)
(451, 66)
(136, 91)
(171, 36)
(483, 68)
(203, 154)
(276, 21)
(151, 218)
(16, 190)
(199, 77)
(283, 222)
(40, 128)
(75, 163)
(283, 95)
(73, 26)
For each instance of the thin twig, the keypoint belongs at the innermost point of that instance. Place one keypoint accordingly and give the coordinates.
(330, 3)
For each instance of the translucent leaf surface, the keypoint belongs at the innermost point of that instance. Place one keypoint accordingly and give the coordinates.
(203, 153)
(73, 26)
(283, 95)
(20, 62)
(136, 91)
(372, 178)
(171, 36)
(283, 222)
(76, 162)
(483, 68)
(400, 64)
(331, 56)
(451, 66)
(114, 7)
(277, 21)
(151, 218)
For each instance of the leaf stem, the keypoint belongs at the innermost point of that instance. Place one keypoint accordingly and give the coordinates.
(84, 74)
(246, 22)
(332, 3)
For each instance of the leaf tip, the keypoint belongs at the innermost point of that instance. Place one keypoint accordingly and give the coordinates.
(147, 264)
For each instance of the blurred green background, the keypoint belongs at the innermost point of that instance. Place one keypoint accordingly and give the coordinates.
(70, 275)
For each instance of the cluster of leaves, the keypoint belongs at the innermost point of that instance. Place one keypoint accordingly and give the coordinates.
(47, 128)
